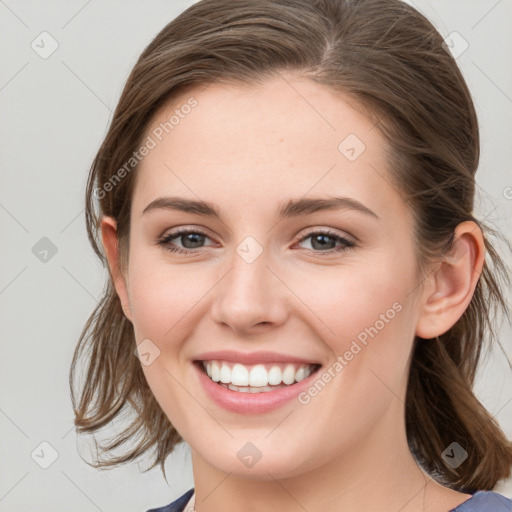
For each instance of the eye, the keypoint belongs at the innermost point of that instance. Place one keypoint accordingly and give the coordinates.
(190, 238)
(325, 242)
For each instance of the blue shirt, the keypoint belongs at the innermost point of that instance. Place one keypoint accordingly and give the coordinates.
(481, 501)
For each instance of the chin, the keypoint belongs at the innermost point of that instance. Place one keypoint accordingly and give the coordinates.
(250, 462)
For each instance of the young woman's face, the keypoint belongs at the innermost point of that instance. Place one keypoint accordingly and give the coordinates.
(275, 272)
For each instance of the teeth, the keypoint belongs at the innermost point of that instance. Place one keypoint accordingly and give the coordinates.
(225, 374)
(275, 376)
(248, 389)
(256, 378)
(289, 374)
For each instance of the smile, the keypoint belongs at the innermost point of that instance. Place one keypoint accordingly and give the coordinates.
(258, 378)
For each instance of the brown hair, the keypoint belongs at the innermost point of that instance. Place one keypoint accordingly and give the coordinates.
(390, 60)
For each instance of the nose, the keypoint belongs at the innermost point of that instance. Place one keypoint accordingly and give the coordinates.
(249, 297)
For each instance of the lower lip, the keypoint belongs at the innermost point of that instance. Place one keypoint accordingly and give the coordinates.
(251, 403)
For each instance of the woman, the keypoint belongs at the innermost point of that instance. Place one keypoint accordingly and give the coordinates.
(298, 287)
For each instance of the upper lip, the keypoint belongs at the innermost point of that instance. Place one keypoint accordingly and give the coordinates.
(252, 357)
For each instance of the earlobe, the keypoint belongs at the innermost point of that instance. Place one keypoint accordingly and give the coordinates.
(452, 283)
(111, 248)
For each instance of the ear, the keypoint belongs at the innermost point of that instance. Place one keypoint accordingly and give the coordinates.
(111, 247)
(449, 289)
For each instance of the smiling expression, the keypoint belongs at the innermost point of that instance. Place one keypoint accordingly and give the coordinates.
(297, 244)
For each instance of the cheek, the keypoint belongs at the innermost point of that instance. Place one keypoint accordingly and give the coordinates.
(365, 317)
(163, 296)
(348, 300)
(369, 333)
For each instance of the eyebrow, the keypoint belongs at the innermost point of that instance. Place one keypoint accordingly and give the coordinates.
(291, 208)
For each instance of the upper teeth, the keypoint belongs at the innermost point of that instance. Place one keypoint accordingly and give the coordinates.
(257, 375)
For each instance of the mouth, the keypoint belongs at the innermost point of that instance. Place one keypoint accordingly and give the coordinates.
(257, 378)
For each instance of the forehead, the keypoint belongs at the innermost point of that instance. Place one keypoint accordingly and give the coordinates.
(286, 137)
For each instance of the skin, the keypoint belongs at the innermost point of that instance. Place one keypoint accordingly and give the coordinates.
(247, 149)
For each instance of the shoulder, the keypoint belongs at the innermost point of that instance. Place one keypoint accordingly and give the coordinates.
(481, 501)
(484, 501)
(175, 506)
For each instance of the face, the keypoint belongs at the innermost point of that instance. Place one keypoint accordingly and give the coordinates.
(278, 280)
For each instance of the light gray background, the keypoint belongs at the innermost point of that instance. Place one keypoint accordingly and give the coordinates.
(54, 114)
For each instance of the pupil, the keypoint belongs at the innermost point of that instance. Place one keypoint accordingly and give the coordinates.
(322, 243)
(186, 238)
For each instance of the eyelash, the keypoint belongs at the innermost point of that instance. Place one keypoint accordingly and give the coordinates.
(165, 241)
